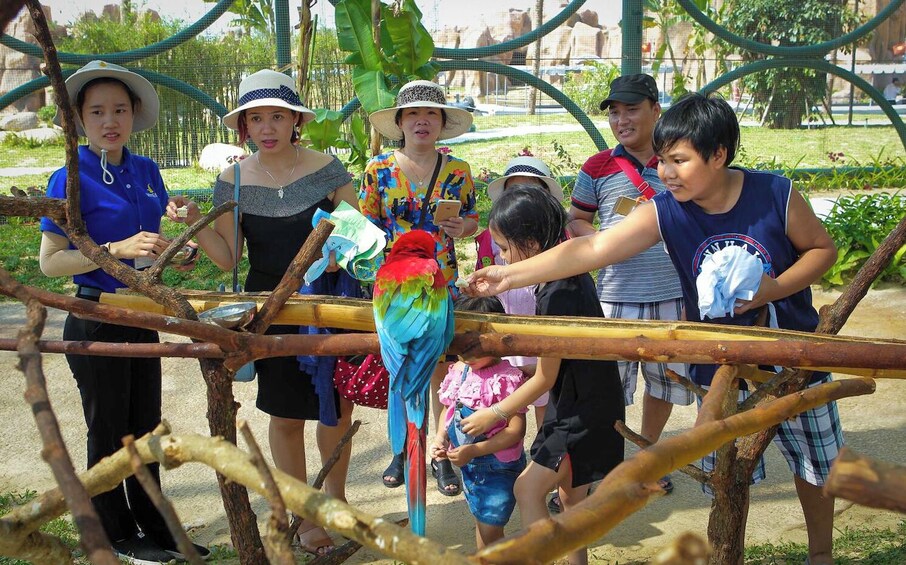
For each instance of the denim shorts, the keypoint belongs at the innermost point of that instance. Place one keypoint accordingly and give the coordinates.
(487, 481)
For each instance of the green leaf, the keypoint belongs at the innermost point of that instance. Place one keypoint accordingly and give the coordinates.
(428, 71)
(354, 32)
(412, 49)
(372, 90)
(324, 131)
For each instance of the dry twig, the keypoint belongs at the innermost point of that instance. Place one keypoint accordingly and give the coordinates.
(276, 541)
(162, 504)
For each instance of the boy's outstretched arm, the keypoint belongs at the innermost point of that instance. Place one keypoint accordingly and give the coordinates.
(817, 254)
(635, 234)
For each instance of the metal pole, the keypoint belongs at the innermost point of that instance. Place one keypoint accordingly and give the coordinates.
(852, 69)
(284, 57)
(632, 37)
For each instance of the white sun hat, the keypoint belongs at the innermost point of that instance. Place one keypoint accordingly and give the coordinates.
(146, 110)
(525, 167)
(267, 88)
(421, 94)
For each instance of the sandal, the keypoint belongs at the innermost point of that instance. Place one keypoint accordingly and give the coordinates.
(393, 475)
(446, 477)
(553, 504)
(317, 544)
(666, 484)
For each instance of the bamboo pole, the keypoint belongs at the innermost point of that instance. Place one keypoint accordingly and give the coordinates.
(356, 314)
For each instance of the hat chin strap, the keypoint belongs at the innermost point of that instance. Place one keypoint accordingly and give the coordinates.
(107, 176)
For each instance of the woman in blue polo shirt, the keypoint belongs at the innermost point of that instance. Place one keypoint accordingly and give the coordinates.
(122, 201)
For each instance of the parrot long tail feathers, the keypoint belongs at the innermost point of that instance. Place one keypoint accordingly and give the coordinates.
(417, 476)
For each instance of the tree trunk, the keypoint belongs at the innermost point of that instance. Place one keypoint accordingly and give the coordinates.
(536, 67)
(221, 415)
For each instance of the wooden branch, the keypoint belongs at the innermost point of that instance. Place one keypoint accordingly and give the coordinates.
(152, 489)
(224, 457)
(770, 390)
(292, 279)
(107, 349)
(714, 404)
(686, 383)
(886, 358)
(624, 490)
(53, 208)
(155, 271)
(641, 441)
(93, 538)
(867, 481)
(325, 470)
(90, 310)
(335, 456)
(835, 315)
(51, 68)
(276, 540)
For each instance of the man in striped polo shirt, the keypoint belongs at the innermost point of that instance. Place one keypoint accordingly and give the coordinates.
(646, 286)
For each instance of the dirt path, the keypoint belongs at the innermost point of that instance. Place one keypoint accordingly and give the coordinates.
(874, 425)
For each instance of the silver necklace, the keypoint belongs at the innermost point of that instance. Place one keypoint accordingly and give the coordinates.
(420, 182)
(288, 177)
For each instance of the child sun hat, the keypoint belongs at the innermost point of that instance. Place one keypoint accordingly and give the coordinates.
(147, 109)
(421, 94)
(267, 88)
(525, 167)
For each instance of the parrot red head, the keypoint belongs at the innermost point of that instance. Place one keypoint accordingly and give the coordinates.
(415, 243)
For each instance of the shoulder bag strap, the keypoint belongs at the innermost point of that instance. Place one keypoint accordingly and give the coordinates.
(430, 192)
(236, 226)
(630, 171)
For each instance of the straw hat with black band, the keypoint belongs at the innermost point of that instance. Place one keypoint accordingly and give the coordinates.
(525, 167)
(267, 88)
(421, 94)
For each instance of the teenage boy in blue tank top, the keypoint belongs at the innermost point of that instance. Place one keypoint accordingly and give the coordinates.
(710, 206)
(644, 287)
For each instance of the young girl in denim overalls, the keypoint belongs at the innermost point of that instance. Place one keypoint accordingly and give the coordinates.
(491, 462)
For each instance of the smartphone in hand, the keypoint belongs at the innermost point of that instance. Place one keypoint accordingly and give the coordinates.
(446, 209)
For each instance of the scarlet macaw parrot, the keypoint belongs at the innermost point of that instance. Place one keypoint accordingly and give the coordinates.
(413, 315)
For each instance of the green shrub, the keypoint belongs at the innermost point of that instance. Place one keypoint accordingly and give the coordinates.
(46, 114)
(589, 88)
(858, 224)
(13, 140)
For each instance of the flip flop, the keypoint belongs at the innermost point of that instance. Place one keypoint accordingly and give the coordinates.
(666, 484)
(393, 475)
(320, 545)
(442, 470)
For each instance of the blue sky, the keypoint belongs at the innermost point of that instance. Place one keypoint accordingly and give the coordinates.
(437, 12)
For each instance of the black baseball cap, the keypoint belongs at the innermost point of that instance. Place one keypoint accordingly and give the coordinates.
(631, 89)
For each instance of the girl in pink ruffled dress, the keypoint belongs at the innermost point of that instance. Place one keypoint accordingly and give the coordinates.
(491, 462)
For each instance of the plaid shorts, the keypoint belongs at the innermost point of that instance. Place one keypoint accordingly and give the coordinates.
(809, 442)
(657, 384)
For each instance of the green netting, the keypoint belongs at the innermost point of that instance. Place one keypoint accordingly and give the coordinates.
(792, 117)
